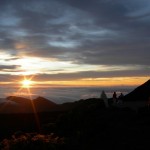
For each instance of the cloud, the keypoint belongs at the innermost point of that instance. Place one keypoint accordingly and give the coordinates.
(8, 68)
(138, 72)
(104, 32)
(91, 75)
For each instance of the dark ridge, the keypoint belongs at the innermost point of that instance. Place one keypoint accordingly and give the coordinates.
(141, 93)
(82, 104)
(44, 100)
(16, 104)
(43, 105)
(19, 100)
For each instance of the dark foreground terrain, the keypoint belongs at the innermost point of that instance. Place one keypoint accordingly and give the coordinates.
(85, 124)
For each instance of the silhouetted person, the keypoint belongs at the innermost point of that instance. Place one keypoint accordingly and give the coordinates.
(104, 98)
(120, 98)
(114, 97)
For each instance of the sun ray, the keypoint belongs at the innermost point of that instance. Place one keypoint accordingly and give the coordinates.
(34, 109)
(26, 84)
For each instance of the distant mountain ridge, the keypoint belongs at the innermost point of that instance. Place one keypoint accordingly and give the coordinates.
(18, 100)
(43, 104)
(14, 104)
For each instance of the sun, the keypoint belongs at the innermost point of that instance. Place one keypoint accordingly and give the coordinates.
(26, 83)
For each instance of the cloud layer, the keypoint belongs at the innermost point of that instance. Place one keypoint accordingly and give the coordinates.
(111, 33)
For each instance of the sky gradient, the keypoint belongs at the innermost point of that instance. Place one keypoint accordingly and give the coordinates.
(75, 42)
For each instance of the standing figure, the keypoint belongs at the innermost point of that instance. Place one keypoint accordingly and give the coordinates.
(120, 98)
(104, 98)
(114, 97)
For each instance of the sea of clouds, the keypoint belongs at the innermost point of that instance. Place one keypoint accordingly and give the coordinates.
(62, 94)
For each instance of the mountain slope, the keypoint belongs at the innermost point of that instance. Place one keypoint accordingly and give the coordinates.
(141, 93)
(43, 104)
(19, 100)
(14, 104)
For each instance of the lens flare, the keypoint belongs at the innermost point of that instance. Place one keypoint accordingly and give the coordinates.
(26, 83)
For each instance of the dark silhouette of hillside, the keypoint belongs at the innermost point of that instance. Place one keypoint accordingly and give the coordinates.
(44, 105)
(16, 104)
(80, 104)
(93, 126)
(19, 100)
(141, 93)
(9, 107)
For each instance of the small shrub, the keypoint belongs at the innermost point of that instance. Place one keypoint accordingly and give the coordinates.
(26, 141)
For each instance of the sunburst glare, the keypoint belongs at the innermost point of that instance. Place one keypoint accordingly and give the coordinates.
(26, 83)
